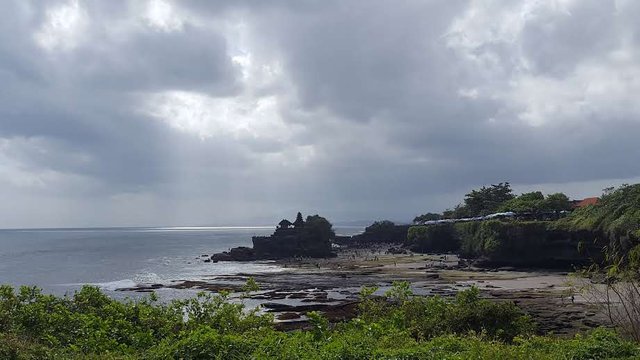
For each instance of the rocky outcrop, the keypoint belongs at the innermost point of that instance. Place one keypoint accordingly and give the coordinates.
(293, 242)
(241, 253)
(310, 238)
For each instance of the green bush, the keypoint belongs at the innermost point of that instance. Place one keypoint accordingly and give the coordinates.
(205, 343)
(89, 325)
(428, 317)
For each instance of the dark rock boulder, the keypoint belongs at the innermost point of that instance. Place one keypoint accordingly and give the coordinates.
(342, 240)
(397, 251)
(241, 253)
(223, 256)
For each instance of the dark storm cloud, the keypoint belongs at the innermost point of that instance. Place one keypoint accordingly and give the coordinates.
(190, 59)
(236, 111)
(79, 101)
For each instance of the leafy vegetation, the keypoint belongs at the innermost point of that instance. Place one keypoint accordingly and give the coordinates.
(383, 231)
(616, 218)
(380, 226)
(433, 238)
(613, 223)
(605, 234)
(506, 242)
(420, 219)
(318, 228)
(616, 215)
(483, 201)
(428, 317)
(90, 325)
(500, 239)
(536, 202)
(500, 198)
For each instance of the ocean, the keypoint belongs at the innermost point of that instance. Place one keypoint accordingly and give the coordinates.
(60, 261)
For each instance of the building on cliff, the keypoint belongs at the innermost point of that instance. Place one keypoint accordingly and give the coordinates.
(576, 204)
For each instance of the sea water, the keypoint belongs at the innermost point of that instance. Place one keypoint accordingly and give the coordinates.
(60, 261)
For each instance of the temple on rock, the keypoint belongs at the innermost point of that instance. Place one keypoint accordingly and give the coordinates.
(310, 238)
(284, 224)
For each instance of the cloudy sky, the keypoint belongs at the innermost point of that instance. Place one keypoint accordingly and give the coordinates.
(241, 112)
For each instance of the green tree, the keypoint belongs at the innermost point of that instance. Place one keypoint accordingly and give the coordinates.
(487, 200)
(460, 211)
(299, 221)
(527, 202)
(380, 227)
(426, 217)
(556, 202)
(319, 227)
(535, 202)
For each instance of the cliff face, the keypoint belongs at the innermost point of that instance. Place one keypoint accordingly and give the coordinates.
(527, 243)
(510, 243)
(433, 238)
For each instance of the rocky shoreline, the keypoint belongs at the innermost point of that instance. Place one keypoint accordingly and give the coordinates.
(332, 285)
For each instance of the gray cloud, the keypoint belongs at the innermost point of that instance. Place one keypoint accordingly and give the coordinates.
(199, 112)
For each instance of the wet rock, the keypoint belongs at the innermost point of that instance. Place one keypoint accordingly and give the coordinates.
(396, 251)
(299, 295)
(241, 253)
(289, 316)
(223, 256)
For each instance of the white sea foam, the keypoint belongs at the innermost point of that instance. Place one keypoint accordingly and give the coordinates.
(114, 285)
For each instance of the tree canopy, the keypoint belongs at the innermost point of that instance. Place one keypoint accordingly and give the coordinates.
(536, 202)
(487, 200)
(383, 225)
(299, 221)
(317, 225)
(483, 201)
(426, 217)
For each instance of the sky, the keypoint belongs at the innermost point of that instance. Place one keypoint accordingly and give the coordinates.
(194, 112)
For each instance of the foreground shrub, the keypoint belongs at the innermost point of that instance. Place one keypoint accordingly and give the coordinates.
(90, 325)
(428, 317)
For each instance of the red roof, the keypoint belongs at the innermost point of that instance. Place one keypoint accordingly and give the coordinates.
(586, 202)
